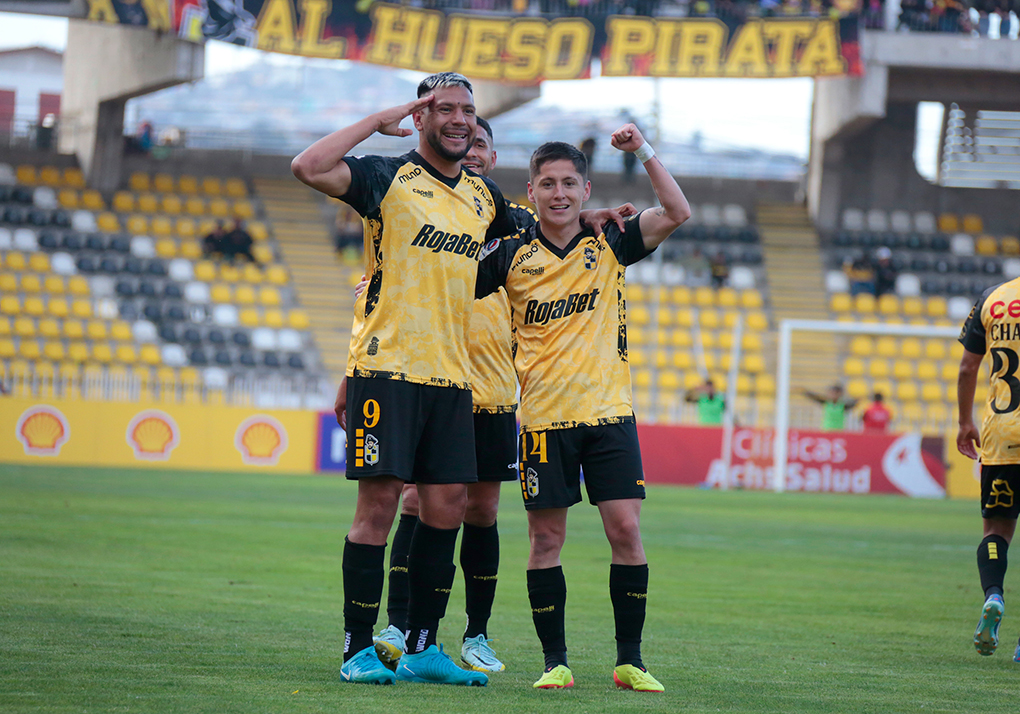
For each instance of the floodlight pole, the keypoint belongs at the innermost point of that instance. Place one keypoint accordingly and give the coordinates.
(780, 453)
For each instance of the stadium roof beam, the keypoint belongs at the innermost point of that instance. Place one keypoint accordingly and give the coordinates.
(104, 66)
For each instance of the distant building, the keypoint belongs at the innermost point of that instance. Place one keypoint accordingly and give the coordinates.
(31, 83)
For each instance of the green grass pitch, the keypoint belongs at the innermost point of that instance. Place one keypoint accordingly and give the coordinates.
(165, 591)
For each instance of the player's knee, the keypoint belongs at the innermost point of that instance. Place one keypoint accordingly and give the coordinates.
(625, 535)
(546, 541)
(409, 502)
(481, 512)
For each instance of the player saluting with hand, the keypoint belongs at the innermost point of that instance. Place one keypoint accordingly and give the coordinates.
(566, 286)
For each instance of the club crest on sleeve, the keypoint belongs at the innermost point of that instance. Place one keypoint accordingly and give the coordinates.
(488, 248)
(478, 206)
(590, 258)
(532, 482)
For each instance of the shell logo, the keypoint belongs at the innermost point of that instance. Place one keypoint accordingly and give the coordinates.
(260, 439)
(42, 431)
(152, 435)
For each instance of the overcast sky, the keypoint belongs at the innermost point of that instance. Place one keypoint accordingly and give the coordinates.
(770, 114)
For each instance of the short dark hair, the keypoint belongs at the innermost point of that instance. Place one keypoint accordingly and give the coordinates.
(488, 129)
(443, 79)
(555, 151)
(878, 396)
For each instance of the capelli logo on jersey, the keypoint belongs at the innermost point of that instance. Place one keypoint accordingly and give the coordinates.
(541, 312)
(423, 193)
(442, 242)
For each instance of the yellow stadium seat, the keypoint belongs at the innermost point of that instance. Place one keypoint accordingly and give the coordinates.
(81, 308)
(911, 348)
(661, 359)
(221, 293)
(668, 380)
(50, 176)
(123, 202)
(73, 329)
(107, 222)
(862, 346)
(681, 338)
(39, 262)
(853, 367)
(68, 198)
(1009, 245)
(955, 351)
(166, 248)
(139, 182)
(270, 296)
(273, 318)
(24, 327)
(663, 336)
(121, 331)
(889, 305)
(29, 349)
(53, 350)
(886, 347)
(973, 224)
(903, 369)
(77, 285)
(8, 283)
(949, 223)
(937, 307)
(757, 322)
(54, 285)
(211, 186)
(709, 319)
(692, 380)
(754, 363)
(78, 351)
(244, 295)
(185, 227)
(906, 391)
(745, 385)
(162, 184)
(663, 316)
(986, 245)
(10, 305)
(864, 303)
(172, 204)
(26, 174)
(682, 360)
(229, 273)
(931, 392)
(764, 385)
(97, 330)
(751, 300)
(913, 306)
(949, 371)
(205, 271)
(49, 328)
(883, 387)
(195, 206)
(162, 226)
(727, 297)
(637, 358)
(58, 307)
(878, 368)
(102, 352)
(7, 349)
(726, 341)
(34, 306)
(704, 297)
(31, 284)
(191, 249)
(277, 275)
(252, 274)
(74, 178)
(935, 349)
(147, 203)
(5, 326)
(187, 184)
(298, 319)
(681, 295)
(235, 188)
(258, 230)
(149, 354)
(263, 254)
(635, 293)
(684, 317)
(926, 370)
(219, 207)
(243, 210)
(642, 378)
(708, 339)
(126, 354)
(92, 200)
(138, 224)
(249, 317)
(16, 261)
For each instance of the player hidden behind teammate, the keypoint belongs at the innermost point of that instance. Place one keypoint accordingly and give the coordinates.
(566, 287)
(408, 371)
(993, 327)
(494, 398)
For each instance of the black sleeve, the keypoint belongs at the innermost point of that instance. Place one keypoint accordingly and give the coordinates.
(523, 216)
(371, 177)
(494, 267)
(628, 246)
(503, 224)
(973, 337)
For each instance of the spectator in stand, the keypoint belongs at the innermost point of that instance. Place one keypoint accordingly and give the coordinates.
(720, 268)
(587, 148)
(877, 416)
(213, 245)
(699, 270)
(1002, 8)
(349, 229)
(885, 273)
(238, 243)
(834, 406)
(861, 275)
(711, 404)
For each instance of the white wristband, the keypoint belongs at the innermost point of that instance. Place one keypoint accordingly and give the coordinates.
(644, 152)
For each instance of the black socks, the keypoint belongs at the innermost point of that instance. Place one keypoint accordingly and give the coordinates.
(547, 591)
(396, 601)
(991, 558)
(479, 559)
(363, 584)
(628, 589)
(430, 579)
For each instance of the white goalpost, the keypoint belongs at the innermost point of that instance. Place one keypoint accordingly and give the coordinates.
(786, 330)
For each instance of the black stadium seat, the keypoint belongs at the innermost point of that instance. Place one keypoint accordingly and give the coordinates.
(156, 267)
(223, 358)
(95, 242)
(295, 362)
(217, 337)
(61, 219)
(192, 335)
(22, 194)
(940, 243)
(109, 265)
(173, 291)
(147, 289)
(247, 359)
(168, 333)
(175, 312)
(72, 241)
(48, 241)
(86, 265)
(120, 244)
(15, 216)
(153, 312)
(991, 267)
(128, 311)
(125, 288)
(38, 217)
(242, 339)
(133, 266)
(198, 357)
(270, 359)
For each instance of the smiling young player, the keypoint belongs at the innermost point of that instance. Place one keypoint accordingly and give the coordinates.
(567, 290)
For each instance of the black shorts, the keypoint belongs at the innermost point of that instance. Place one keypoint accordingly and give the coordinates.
(1000, 485)
(496, 446)
(551, 462)
(417, 432)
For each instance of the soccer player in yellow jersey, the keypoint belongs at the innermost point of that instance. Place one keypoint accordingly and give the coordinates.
(993, 327)
(427, 222)
(567, 290)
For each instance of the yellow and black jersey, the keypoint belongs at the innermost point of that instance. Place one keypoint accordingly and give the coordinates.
(424, 236)
(493, 380)
(570, 320)
(994, 327)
